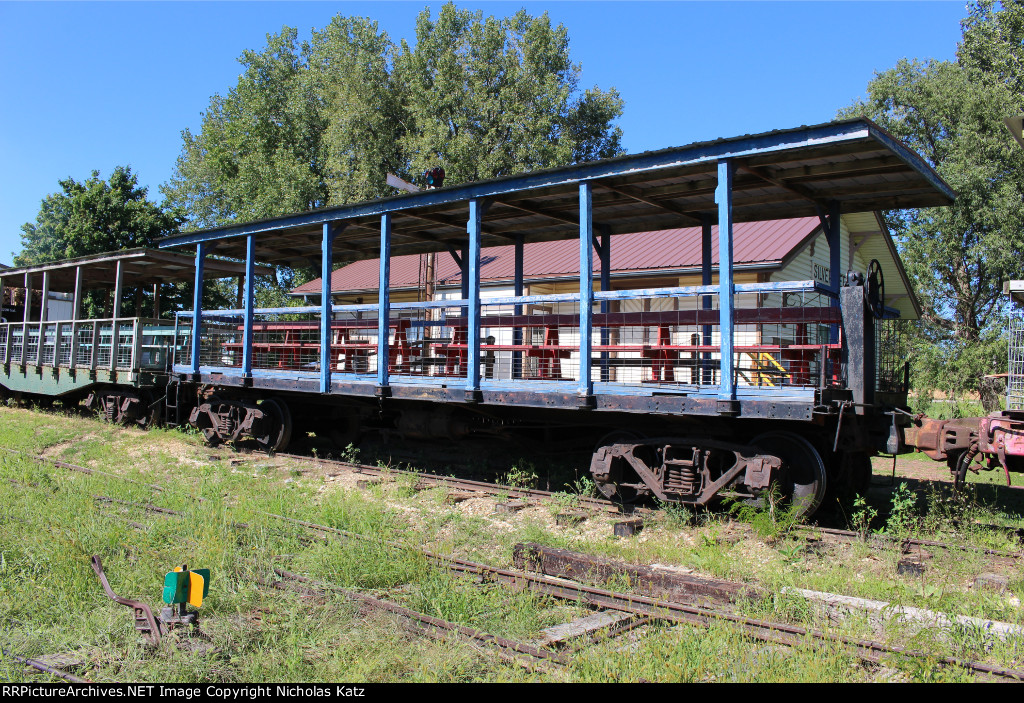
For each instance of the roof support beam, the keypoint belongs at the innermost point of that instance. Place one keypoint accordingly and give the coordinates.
(707, 373)
(791, 187)
(43, 301)
(517, 332)
(197, 307)
(586, 383)
(542, 212)
(629, 193)
(605, 254)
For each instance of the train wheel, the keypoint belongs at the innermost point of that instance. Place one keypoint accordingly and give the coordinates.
(280, 428)
(615, 490)
(803, 479)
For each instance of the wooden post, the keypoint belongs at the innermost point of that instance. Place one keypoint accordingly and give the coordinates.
(197, 307)
(7, 327)
(517, 332)
(116, 313)
(606, 285)
(326, 306)
(76, 312)
(43, 301)
(707, 372)
(25, 313)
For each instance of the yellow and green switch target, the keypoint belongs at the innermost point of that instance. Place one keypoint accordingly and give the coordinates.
(181, 586)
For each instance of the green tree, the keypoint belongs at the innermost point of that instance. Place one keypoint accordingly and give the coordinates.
(494, 97)
(93, 217)
(324, 122)
(260, 149)
(958, 257)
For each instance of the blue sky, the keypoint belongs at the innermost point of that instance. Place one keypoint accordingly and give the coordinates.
(94, 85)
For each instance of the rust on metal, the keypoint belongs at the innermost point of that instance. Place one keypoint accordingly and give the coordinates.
(585, 568)
(940, 438)
(145, 622)
(46, 668)
(429, 624)
(765, 631)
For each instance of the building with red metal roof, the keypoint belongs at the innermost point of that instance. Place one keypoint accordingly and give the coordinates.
(773, 250)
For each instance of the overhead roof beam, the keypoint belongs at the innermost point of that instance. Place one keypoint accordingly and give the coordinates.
(695, 218)
(791, 187)
(534, 210)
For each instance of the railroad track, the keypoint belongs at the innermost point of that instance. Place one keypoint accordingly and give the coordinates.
(531, 494)
(607, 506)
(642, 607)
(468, 485)
(518, 652)
(869, 651)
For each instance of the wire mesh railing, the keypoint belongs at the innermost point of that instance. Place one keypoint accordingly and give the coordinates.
(892, 349)
(87, 344)
(1015, 368)
(784, 334)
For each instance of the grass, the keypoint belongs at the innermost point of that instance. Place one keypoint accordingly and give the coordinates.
(52, 601)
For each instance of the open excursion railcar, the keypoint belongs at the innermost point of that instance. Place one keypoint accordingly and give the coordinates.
(700, 391)
(692, 391)
(118, 361)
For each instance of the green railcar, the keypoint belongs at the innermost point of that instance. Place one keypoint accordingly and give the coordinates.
(117, 363)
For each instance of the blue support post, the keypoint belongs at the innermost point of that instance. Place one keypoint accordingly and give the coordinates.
(835, 245)
(197, 306)
(707, 375)
(606, 285)
(464, 275)
(471, 261)
(384, 307)
(247, 304)
(331, 230)
(586, 383)
(517, 332)
(723, 196)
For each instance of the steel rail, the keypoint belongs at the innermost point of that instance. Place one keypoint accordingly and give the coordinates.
(762, 630)
(40, 666)
(469, 484)
(80, 469)
(145, 506)
(430, 625)
(613, 507)
(850, 535)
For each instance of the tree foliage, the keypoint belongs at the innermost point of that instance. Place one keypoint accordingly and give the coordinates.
(958, 257)
(93, 217)
(322, 123)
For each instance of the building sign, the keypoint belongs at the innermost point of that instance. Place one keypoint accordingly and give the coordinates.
(821, 273)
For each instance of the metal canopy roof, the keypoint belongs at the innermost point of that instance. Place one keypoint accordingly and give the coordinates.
(138, 266)
(780, 174)
(1015, 289)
